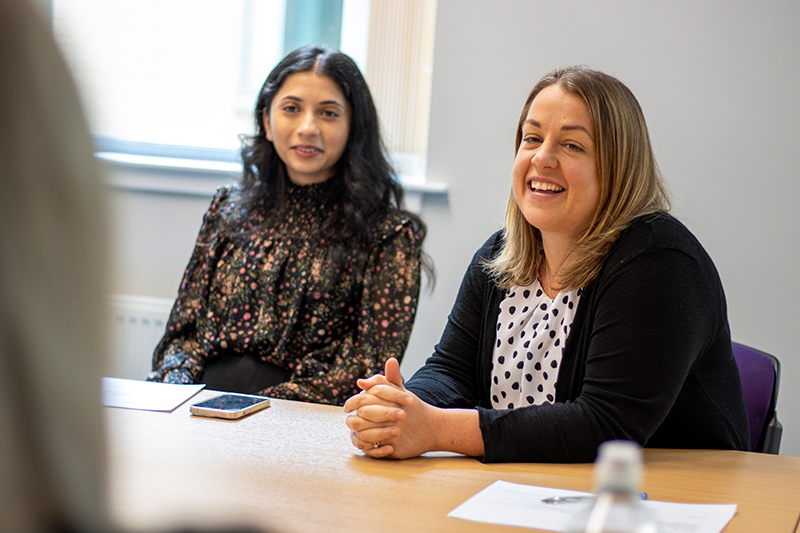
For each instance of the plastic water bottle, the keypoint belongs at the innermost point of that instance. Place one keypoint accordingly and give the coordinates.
(617, 508)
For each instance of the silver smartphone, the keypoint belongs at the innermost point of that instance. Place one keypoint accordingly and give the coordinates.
(230, 405)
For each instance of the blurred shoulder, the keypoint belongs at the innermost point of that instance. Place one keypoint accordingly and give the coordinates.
(223, 197)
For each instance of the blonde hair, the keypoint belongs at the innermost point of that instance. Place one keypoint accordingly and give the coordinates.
(631, 185)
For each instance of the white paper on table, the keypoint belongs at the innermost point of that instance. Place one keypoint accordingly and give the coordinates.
(513, 504)
(146, 395)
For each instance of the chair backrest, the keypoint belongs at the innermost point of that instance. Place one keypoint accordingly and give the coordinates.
(760, 374)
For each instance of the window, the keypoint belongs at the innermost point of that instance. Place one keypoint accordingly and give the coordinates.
(179, 78)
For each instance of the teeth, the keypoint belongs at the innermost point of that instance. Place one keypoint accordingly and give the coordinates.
(307, 150)
(537, 185)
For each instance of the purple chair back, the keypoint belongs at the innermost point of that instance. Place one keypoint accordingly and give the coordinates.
(759, 374)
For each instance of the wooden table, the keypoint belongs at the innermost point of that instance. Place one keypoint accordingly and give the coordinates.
(291, 468)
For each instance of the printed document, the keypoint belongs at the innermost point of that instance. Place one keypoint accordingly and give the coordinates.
(512, 504)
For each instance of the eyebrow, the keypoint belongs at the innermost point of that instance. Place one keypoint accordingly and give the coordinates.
(300, 100)
(566, 127)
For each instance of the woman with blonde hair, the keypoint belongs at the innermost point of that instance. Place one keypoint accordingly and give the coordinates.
(592, 315)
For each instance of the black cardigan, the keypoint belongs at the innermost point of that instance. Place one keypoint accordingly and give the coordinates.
(648, 358)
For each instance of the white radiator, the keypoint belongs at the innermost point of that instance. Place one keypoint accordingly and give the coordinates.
(138, 323)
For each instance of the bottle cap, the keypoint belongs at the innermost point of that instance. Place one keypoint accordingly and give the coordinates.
(618, 466)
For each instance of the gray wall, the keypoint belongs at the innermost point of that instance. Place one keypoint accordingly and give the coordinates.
(718, 82)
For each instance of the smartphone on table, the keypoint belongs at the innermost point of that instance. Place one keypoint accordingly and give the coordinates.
(230, 405)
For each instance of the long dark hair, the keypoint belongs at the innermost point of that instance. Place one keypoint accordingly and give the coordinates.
(366, 187)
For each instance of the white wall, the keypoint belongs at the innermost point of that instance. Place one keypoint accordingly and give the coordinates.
(719, 82)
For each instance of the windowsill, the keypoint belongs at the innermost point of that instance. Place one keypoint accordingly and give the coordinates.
(197, 177)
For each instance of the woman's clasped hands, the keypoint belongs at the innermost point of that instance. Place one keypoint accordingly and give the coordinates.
(386, 420)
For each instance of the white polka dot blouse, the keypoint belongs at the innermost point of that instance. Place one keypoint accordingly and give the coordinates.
(531, 331)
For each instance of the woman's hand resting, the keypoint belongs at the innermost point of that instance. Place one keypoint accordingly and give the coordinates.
(386, 413)
(402, 425)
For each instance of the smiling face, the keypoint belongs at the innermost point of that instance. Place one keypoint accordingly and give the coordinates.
(554, 178)
(309, 124)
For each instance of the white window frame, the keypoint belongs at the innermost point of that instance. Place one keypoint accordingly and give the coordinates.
(186, 170)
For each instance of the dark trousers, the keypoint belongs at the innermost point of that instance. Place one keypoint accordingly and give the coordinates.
(242, 373)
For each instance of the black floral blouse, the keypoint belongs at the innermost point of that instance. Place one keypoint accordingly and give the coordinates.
(264, 293)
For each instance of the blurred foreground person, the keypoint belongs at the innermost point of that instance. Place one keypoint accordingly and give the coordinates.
(52, 289)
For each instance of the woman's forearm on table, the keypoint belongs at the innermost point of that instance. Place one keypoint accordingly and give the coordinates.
(458, 430)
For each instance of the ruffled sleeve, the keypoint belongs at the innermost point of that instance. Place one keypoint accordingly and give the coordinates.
(180, 356)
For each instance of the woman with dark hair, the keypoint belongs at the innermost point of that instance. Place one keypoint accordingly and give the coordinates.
(306, 276)
(593, 315)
